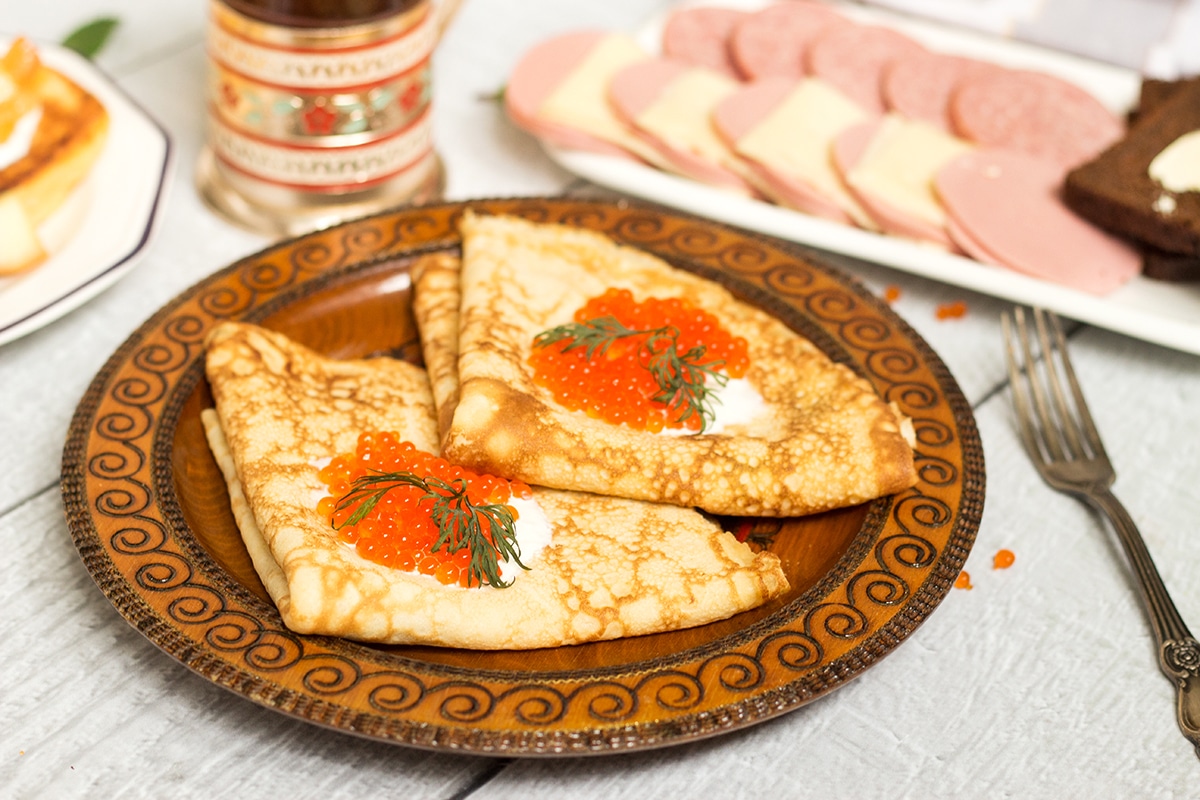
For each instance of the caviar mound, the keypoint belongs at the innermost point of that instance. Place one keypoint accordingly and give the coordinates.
(408, 509)
(646, 364)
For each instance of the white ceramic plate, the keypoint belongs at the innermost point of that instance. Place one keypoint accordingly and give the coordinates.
(1164, 313)
(102, 228)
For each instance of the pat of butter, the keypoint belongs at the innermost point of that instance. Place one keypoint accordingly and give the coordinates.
(796, 138)
(681, 115)
(1177, 167)
(581, 99)
(17, 145)
(899, 164)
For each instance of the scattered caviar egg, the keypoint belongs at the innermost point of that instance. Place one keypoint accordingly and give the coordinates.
(614, 383)
(398, 531)
(955, 310)
(1003, 559)
(963, 581)
(891, 294)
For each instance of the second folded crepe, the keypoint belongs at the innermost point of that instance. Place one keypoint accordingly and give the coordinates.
(820, 439)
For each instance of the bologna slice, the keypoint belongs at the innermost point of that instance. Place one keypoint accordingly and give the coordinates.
(700, 36)
(670, 104)
(771, 42)
(785, 129)
(919, 85)
(558, 92)
(854, 57)
(1004, 208)
(889, 166)
(1035, 113)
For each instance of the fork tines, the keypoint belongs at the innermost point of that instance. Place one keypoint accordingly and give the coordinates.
(1053, 427)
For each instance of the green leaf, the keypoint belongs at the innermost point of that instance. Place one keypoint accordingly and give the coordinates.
(89, 39)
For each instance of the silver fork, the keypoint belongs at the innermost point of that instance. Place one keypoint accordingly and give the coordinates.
(1065, 447)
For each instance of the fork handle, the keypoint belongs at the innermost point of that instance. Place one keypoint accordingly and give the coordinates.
(1178, 651)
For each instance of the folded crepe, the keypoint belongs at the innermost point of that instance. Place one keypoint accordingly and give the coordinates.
(613, 567)
(823, 439)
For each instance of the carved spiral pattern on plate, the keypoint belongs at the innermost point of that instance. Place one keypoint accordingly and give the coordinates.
(638, 229)
(738, 672)
(392, 693)
(877, 586)
(117, 465)
(535, 705)
(462, 701)
(607, 701)
(791, 649)
(224, 302)
(831, 305)
(203, 605)
(788, 280)
(936, 471)
(674, 690)
(334, 676)
(170, 572)
(137, 541)
(931, 433)
(139, 397)
(122, 502)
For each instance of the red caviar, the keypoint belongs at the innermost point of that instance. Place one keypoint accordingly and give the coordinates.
(617, 386)
(891, 294)
(963, 581)
(1003, 559)
(398, 531)
(955, 310)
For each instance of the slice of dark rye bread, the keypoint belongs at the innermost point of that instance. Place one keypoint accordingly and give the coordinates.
(1159, 264)
(1115, 189)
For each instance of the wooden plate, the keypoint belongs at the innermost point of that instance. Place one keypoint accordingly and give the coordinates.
(148, 510)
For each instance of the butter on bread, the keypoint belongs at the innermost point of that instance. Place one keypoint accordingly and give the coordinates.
(824, 440)
(70, 133)
(614, 567)
(1117, 190)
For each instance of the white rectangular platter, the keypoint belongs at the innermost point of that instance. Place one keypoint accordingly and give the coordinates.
(1164, 313)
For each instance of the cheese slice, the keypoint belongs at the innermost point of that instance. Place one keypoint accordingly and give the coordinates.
(581, 99)
(613, 567)
(796, 137)
(900, 162)
(681, 115)
(824, 439)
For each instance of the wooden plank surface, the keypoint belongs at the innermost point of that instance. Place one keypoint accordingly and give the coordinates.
(1039, 682)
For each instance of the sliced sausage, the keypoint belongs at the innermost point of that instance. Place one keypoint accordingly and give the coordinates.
(544, 68)
(893, 180)
(1036, 113)
(670, 105)
(700, 36)
(784, 130)
(920, 85)
(1004, 208)
(772, 42)
(853, 58)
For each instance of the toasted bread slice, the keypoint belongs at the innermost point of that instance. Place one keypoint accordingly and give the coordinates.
(68, 139)
(21, 248)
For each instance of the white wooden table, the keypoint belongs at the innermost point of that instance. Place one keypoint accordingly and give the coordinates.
(1039, 682)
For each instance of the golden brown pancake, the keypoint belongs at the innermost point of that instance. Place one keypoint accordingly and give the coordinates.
(825, 439)
(614, 567)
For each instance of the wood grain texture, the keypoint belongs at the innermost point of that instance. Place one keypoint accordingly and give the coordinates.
(1038, 683)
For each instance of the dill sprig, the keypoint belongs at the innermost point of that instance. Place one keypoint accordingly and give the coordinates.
(460, 522)
(682, 378)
